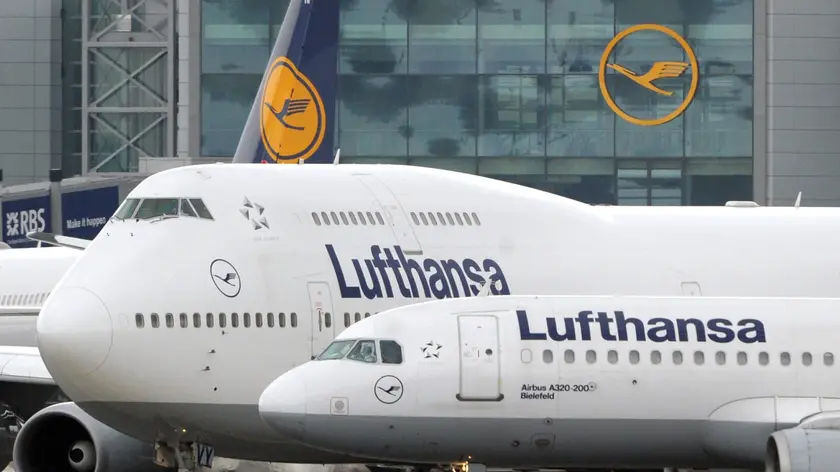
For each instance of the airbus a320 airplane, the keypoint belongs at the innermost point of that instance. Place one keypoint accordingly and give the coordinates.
(556, 381)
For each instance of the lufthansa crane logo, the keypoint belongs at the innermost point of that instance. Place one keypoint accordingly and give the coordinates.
(659, 70)
(292, 115)
(388, 389)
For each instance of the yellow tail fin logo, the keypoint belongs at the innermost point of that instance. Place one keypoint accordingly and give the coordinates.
(292, 114)
(659, 70)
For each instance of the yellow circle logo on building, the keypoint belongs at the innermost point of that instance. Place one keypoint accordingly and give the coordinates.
(292, 116)
(659, 70)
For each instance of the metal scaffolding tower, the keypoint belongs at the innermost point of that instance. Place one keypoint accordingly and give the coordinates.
(129, 83)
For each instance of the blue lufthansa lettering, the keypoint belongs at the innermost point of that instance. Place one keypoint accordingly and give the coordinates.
(389, 273)
(656, 330)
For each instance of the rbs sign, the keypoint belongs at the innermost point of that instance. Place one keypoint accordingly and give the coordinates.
(24, 216)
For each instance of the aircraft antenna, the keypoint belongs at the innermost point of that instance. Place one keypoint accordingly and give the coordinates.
(337, 155)
(798, 200)
(485, 289)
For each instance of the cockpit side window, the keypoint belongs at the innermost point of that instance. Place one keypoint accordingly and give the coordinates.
(153, 207)
(391, 352)
(336, 350)
(186, 208)
(127, 208)
(364, 351)
(201, 209)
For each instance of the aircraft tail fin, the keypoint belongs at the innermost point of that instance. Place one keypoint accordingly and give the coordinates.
(292, 117)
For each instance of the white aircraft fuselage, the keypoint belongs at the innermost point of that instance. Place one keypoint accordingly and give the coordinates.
(555, 382)
(298, 281)
(27, 275)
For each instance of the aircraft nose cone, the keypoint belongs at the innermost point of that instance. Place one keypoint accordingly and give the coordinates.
(283, 405)
(74, 332)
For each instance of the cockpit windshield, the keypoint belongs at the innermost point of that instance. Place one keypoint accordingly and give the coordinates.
(148, 208)
(336, 350)
(364, 350)
(152, 207)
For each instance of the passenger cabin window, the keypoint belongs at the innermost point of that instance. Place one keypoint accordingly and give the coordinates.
(391, 352)
(336, 350)
(363, 351)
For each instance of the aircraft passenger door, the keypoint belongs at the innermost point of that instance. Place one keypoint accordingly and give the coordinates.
(322, 316)
(478, 338)
(394, 212)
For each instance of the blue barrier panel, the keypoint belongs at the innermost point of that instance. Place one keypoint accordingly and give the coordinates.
(85, 212)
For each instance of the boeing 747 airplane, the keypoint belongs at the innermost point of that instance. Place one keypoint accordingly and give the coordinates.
(596, 382)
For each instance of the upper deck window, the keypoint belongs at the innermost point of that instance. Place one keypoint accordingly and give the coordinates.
(336, 350)
(364, 351)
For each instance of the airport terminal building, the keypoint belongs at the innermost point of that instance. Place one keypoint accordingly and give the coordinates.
(627, 102)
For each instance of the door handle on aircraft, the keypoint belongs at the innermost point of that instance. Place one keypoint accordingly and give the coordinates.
(320, 319)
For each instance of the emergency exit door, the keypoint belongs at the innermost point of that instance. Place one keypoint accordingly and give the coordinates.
(322, 319)
(478, 336)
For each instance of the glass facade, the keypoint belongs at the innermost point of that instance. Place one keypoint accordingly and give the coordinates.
(510, 89)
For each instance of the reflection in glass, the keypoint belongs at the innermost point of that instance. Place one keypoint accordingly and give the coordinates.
(719, 121)
(510, 89)
(336, 350)
(236, 34)
(373, 38)
(648, 183)
(665, 140)
(511, 37)
(226, 100)
(579, 122)
(373, 115)
(442, 119)
(513, 123)
(441, 36)
(364, 351)
(578, 32)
